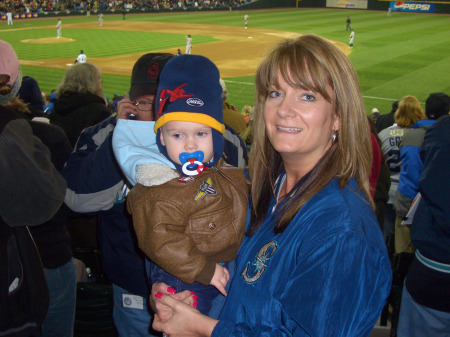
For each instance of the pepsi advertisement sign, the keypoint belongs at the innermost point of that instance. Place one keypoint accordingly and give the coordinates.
(417, 7)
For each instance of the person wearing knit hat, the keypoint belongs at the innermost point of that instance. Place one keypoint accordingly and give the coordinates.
(188, 92)
(31, 94)
(197, 218)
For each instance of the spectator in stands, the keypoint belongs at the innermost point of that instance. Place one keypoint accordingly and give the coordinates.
(406, 116)
(51, 236)
(379, 168)
(31, 94)
(81, 102)
(96, 184)
(230, 116)
(199, 78)
(375, 115)
(246, 111)
(312, 229)
(50, 103)
(386, 120)
(247, 135)
(425, 306)
(437, 104)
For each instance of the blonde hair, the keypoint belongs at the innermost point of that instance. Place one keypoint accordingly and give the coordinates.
(409, 112)
(247, 111)
(312, 63)
(81, 78)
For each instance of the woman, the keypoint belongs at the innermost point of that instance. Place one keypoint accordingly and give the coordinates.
(408, 112)
(81, 102)
(314, 261)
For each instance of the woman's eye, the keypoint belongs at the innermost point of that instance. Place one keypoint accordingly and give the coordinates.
(274, 94)
(309, 97)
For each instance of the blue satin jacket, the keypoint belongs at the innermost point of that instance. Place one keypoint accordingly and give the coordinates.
(327, 274)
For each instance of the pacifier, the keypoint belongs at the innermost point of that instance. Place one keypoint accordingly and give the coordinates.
(192, 163)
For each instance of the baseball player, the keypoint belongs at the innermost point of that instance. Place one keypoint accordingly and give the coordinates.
(188, 44)
(58, 29)
(351, 38)
(348, 24)
(81, 58)
(246, 20)
(100, 19)
(9, 18)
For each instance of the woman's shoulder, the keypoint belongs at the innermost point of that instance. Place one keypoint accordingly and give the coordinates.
(335, 209)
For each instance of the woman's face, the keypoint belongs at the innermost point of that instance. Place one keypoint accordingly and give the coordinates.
(299, 122)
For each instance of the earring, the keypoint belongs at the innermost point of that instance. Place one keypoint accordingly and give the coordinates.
(333, 136)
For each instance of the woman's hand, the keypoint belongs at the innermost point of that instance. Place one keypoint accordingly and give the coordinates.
(125, 108)
(185, 320)
(164, 312)
(220, 278)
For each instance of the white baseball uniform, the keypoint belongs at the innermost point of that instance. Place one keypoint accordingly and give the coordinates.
(352, 37)
(58, 29)
(9, 18)
(188, 45)
(81, 58)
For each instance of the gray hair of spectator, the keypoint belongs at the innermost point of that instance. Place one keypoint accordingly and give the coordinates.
(224, 90)
(81, 78)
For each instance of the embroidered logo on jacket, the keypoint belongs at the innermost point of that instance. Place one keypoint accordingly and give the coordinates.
(206, 188)
(260, 264)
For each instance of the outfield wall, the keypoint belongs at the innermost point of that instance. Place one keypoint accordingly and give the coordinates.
(437, 6)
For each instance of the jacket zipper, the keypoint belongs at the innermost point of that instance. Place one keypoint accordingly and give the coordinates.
(229, 179)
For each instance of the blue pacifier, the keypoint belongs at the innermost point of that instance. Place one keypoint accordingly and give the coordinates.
(192, 163)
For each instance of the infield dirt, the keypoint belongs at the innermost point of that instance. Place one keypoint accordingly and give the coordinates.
(237, 53)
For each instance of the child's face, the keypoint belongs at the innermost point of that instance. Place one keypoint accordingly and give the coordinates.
(179, 137)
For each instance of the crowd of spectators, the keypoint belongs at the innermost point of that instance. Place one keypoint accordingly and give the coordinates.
(32, 6)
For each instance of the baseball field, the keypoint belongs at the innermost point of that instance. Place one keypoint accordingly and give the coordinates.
(404, 54)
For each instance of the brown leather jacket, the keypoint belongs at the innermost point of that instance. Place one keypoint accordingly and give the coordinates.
(185, 228)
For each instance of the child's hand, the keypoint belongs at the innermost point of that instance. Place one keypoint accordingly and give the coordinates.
(220, 278)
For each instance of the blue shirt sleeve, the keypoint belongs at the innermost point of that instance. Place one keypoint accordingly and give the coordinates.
(134, 144)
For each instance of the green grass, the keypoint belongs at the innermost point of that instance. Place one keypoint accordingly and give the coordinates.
(99, 43)
(405, 54)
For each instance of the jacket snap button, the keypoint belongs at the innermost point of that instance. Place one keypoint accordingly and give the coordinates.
(212, 226)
